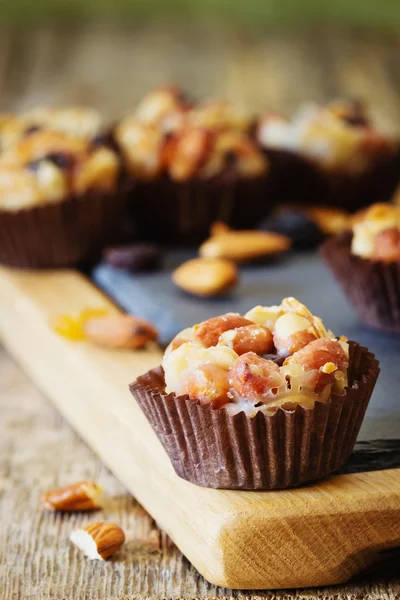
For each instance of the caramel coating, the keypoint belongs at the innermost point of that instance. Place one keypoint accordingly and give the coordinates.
(317, 354)
(250, 338)
(294, 330)
(387, 245)
(252, 377)
(208, 332)
(182, 337)
(294, 342)
(207, 383)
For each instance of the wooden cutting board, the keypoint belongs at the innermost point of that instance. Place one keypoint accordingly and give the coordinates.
(316, 535)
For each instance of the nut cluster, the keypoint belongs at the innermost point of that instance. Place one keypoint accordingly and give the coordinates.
(339, 135)
(169, 135)
(48, 166)
(271, 357)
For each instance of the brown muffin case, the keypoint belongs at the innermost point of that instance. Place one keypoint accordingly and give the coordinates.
(372, 286)
(214, 449)
(61, 234)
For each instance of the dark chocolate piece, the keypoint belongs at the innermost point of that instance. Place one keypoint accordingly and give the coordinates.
(302, 230)
(134, 258)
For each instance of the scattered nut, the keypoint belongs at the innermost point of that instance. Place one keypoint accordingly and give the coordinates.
(134, 257)
(206, 276)
(120, 331)
(243, 246)
(98, 540)
(219, 228)
(331, 221)
(84, 495)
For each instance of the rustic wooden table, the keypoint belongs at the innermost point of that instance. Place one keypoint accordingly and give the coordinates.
(111, 67)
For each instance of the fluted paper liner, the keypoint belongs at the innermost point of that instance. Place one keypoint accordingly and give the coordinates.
(61, 234)
(373, 287)
(183, 212)
(211, 448)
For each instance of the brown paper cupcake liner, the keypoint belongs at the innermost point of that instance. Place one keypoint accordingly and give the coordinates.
(373, 287)
(214, 449)
(182, 213)
(61, 234)
(298, 180)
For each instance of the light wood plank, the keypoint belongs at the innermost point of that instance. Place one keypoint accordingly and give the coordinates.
(321, 534)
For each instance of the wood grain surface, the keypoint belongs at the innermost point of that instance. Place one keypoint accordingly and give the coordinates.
(111, 67)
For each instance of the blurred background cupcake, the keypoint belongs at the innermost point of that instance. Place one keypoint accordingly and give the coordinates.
(191, 164)
(366, 263)
(60, 196)
(83, 122)
(332, 155)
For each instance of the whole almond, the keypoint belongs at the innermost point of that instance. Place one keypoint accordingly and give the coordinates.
(244, 246)
(120, 331)
(98, 540)
(330, 220)
(206, 277)
(80, 496)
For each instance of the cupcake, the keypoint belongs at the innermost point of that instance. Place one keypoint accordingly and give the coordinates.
(77, 121)
(60, 200)
(332, 155)
(366, 263)
(265, 401)
(191, 165)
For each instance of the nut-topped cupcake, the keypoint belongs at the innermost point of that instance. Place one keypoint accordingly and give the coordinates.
(366, 262)
(332, 154)
(267, 400)
(59, 200)
(193, 165)
(76, 121)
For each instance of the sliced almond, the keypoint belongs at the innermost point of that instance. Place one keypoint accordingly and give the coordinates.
(243, 246)
(206, 277)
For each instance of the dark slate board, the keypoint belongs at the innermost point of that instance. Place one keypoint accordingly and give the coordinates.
(304, 276)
